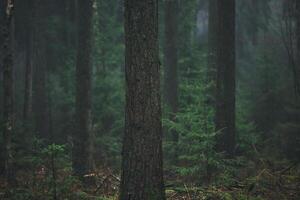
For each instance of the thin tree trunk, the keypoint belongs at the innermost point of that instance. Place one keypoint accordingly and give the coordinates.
(298, 46)
(27, 109)
(254, 31)
(212, 52)
(142, 171)
(2, 24)
(82, 157)
(171, 59)
(8, 111)
(28, 87)
(225, 110)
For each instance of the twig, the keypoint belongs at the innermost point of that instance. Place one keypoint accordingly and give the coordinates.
(187, 191)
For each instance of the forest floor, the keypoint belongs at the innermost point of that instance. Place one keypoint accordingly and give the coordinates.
(267, 185)
(278, 183)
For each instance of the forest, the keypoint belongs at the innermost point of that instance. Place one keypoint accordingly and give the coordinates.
(150, 99)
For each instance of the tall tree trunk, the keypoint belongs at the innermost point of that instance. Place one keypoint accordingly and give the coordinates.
(298, 46)
(254, 28)
(2, 23)
(212, 51)
(211, 68)
(8, 111)
(82, 158)
(142, 171)
(28, 85)
(225, 110)
(40, 99)
(70, 21)
(27, 109)
(170, 70)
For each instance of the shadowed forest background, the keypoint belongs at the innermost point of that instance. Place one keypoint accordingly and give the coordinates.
(150, 99)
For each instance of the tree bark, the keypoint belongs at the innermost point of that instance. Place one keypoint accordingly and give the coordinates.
(170, 68)
(225, 108)
(27, 109)
(142, 171)
(28, 86)
(82, 158)
(298, 46)
(8, 85)
(212, 51)
(40, 99)
(2, 24)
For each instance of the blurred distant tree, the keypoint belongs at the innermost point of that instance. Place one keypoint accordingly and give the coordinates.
(225, 98)
(82, 141)
(40, 96)
(170, 61)
(8, 88)
(298, 44)
(212, 53)
(289, 33)
(27, 109)
(2, 17)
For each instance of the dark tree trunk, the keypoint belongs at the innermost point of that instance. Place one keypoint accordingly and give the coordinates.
(212, 51)
(225, 108)
(70, 20)
(27, 109)
(40, 99)
(73, 18)
(211, 67)
(28, 86)
(82, 158)
(2, 24)
(8, 111)
(170, 70)
(142, 171)
(298, 46)
(254, 28)
(2, 17)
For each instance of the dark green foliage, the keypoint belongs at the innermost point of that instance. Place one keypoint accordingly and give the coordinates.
(108, 121)
(108, 81)
(46, 173)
